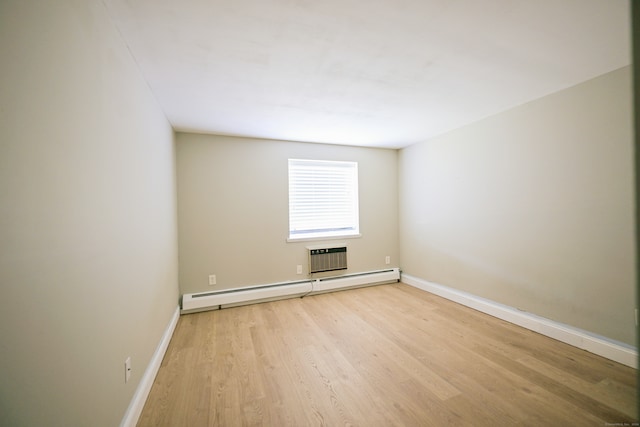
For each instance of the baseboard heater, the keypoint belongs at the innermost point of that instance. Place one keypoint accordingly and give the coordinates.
(249, 295)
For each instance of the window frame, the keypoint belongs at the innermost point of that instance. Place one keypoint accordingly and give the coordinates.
(352, 191)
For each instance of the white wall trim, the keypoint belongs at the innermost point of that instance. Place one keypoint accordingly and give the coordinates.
(136, 405)
(234, 297)
(613, 350)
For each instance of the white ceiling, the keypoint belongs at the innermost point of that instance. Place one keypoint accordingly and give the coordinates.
(384, 73)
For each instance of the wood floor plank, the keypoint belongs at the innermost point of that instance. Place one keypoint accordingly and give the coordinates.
(398, 346)
(388, 355)
(584, 403)
(609, 392)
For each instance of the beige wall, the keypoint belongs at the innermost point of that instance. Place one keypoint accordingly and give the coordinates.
(88, 236)
(233, 210)
(532, 208)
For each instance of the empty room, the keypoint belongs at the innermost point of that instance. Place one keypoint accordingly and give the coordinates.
(286, 212)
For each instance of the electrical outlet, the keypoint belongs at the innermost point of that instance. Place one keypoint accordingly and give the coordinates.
(298, 269)
(212, 279)
(127, 369)
(387, 260)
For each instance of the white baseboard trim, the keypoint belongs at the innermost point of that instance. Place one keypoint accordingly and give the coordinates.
(234, 297)
(610, 349)
(136, 405)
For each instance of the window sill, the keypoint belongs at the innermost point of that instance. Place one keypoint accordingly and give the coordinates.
(311, 239)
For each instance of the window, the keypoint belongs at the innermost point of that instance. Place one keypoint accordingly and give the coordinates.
(323, 199)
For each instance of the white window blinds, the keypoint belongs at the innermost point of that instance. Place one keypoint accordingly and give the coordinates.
(323, 199)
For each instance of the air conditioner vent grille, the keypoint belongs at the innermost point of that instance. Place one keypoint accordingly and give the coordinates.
(327, 259)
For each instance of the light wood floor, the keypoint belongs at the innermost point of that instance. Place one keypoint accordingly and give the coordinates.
(379, 356)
